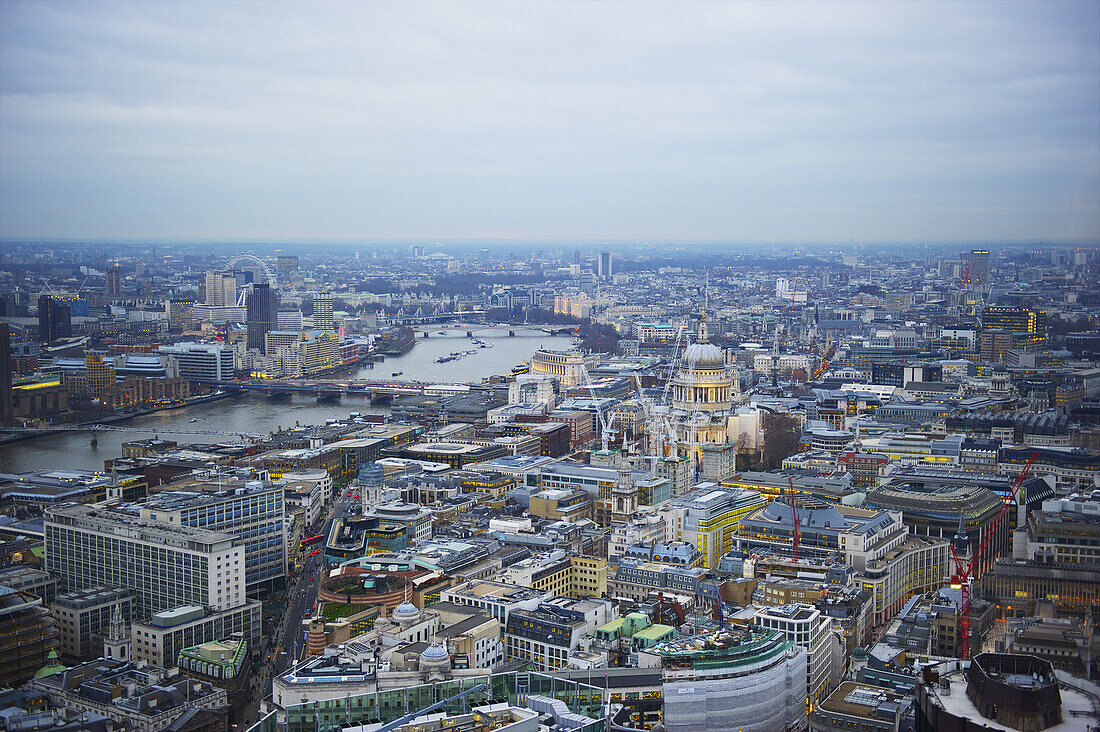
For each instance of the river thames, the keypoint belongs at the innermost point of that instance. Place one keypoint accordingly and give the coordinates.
(259, 415)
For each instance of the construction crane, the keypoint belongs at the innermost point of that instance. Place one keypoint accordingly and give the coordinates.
(649, 416)
(964, 573)
(721, 610)
(775, 356)
(794, 517)
(662, 417)
(606, 430)
(657, 425)
(674, 365)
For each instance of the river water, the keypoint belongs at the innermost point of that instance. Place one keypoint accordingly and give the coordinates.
(253, 413)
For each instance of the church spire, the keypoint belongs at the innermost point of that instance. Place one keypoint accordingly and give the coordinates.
(116, 645)
(118, 628)
(703, 320)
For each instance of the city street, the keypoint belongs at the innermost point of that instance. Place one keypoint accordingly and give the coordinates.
(301, 594)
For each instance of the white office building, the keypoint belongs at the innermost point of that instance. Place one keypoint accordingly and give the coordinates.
(201, 361)
(160, 638)
(252, 511)
(163, 565)
(805, 626)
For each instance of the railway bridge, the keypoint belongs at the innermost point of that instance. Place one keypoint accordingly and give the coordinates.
(378, 390)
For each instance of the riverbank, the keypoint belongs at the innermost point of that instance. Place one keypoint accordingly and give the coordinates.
(117, 418)
(400, 346)
(254, 413)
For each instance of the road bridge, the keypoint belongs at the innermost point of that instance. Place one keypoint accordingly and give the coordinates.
(423, 319)
(476, 327)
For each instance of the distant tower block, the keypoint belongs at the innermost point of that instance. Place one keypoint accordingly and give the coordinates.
(975, 269)
(604, 265)
(322, 311)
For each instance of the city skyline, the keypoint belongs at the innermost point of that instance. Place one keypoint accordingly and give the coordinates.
(734, 122)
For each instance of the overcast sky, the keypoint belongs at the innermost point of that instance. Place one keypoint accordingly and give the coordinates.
(742, 121)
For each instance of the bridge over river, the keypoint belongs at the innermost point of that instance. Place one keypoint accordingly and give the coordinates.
(376, 389)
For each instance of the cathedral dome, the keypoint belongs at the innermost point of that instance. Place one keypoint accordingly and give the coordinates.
(704, 355)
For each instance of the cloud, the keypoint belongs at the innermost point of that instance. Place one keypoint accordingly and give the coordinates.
(728, 121)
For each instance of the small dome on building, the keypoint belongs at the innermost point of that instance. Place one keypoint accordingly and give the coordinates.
(53, 666)
(406, 614)
(435, 652)
(435, 662)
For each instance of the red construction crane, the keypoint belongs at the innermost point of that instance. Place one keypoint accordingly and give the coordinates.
(794, 517)
(964, 572)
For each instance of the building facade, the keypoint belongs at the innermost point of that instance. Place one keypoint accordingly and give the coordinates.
(748, 679)
(202, 361)
(261, 315)
(254, 512)
(83, 616)
(159, 638)
(164, 566)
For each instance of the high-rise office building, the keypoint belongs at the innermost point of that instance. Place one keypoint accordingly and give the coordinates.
(221, 289)
(99, 376)
(603, 265)
(804, 625)
(1015, 319)
(1028, 327)
(54, 319)
(286, 264)
(165, 566)
(181, 314)
(252, 511)
(83, 617)
(322, 311)
(290, 319)
(262, 315)
(975, 270)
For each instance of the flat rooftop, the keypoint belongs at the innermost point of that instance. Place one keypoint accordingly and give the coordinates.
(497, 590)
(1078, 712)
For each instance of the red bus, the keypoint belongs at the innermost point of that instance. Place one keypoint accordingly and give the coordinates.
(312, 540)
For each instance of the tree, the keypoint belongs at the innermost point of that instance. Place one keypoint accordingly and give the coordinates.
(597, 338)
(780, 439)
